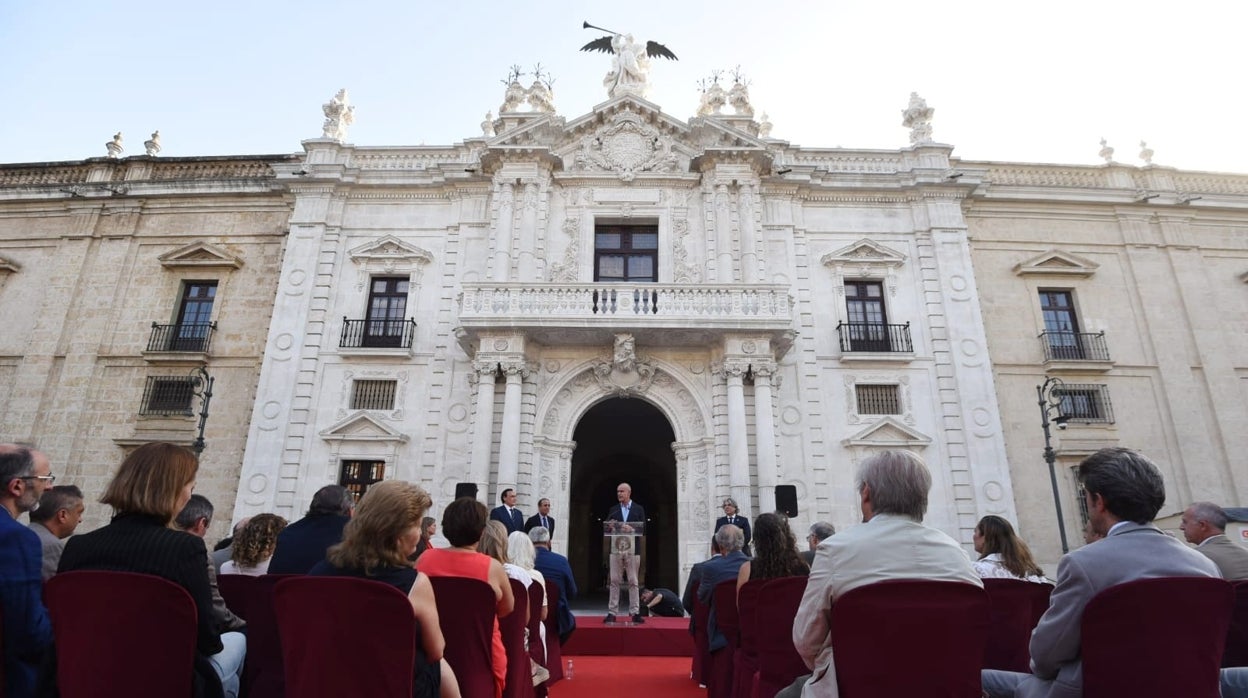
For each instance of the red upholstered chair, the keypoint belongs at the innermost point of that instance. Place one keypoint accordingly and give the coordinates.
(344, 636)
(251, 598)
(519, 675)
(554, 654)
(701, 640)
(934, 631)
(1014, 609)
(1122, 625)
(745, 660)
(1236, 653)
(536, 652)
(466, 611)
(778, 661)
(104, 621)
(724, 602)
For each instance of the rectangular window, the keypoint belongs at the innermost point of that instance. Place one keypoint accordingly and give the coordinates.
(357, 475)
(867, 327)
(168, 396)
(1085, 402)
(194, 324)
(1080, 493)
(384, 325)
(373, 395)
(877, 399)
(626, 253)
(1061, 327)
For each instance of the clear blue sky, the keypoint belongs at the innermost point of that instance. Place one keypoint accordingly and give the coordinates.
(1036, 82)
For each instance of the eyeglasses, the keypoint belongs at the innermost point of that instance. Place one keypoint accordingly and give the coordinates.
(45, 478)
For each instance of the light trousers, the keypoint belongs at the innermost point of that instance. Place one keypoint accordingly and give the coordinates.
(620, 563)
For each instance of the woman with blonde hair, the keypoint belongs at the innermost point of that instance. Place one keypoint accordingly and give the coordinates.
(151, 486)
(375, 545)
(1002, 554)
(254, 546)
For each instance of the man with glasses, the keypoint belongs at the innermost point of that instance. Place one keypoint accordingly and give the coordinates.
(24, 476)
(819, 531)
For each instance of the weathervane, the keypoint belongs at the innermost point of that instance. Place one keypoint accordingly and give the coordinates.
(632, 61)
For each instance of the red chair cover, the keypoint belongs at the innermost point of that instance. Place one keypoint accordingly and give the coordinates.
(1015, 607)
(746, 657)
(251, 598)
(105, 622)
(466, 611)
(724, 601)
(778, 662)
(519, 675)
(701, 639)
(554, 653)
(344, 636)
(1236, 653)
(536, 651)
(1122, 654)
(937, 629)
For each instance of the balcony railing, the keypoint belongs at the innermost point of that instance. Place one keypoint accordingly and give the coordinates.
(613, 300)
(1074, 346)
(377, 334)
(875, 337)
(184, 337)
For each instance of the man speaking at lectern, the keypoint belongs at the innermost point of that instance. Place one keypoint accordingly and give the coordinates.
(626, 511)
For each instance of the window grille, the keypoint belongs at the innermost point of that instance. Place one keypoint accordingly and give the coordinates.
(357, 475)
(1086, 403)
(168, 396)
(373, 395)
(878, 399)
(1082, 500)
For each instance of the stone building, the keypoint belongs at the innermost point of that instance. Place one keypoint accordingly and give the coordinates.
(118, 278)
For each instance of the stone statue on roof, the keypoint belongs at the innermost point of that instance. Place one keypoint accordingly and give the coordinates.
(918, 118)
(631, 66)
(339, 114)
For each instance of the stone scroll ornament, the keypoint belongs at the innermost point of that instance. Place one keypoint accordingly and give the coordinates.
(632, 61)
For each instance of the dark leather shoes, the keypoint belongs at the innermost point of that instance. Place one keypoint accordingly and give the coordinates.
(638, 619)
(610, 618)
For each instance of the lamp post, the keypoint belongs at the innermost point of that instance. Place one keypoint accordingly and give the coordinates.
(202, 383)
(1050, 400)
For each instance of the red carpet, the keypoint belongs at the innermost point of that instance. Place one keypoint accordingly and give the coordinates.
(658, 637)
(628, 677)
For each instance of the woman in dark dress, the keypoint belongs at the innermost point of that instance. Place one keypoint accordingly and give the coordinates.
(150, 488)
(376, 544)
(775, 552)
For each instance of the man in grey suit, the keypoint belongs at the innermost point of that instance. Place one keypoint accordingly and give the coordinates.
(1204, 525)
(1123, 491)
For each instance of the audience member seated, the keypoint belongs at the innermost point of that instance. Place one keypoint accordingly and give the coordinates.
(724, 568)
(775, 552)
(522, 554)
(555, 568)
(195, 518)
(253, 547)
(303, 543)
(1123, 491)
(1002, 554)
(25, 474)
(494, 544)
(1204, 525)
(224, 549)
(428, 528)
(891, 543)
(463, 523)
(662, 602)
(819, 531)
(58, 514)
(375, 545)
(152, 485)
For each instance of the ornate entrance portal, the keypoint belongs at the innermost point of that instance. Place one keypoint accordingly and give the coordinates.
(623, 440)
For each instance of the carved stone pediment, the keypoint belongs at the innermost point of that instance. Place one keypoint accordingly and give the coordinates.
(889, 433)
(627, 145)
(362, 427)
(200, 254)
(390, 254)
(865, 251)
(626, 375)
(1056, 263)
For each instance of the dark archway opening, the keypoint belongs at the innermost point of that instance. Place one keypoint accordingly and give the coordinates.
(622, 440)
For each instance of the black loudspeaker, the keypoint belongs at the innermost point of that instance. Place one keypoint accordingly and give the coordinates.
(786, 500)
(465, 489)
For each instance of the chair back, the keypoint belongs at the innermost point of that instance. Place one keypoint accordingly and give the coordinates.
(251, 598)
(937, 628)
(1121, 626)
(701, 638)
(1015, 606)
(519, 674)
(467, 609)
(745, 668)
(554, 650)
(537, 594)
(344, 636)
(778, 661)
(103, 621)
(1236, 653)
(724, 600)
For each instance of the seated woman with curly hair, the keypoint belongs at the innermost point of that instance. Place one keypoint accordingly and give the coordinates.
(775, 552)
(254, 546)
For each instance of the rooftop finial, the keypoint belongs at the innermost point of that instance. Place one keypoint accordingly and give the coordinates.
(918, 118)
(339, 114)
(114, 146)
(152, 147)
(1146, 153)
(1107, 153)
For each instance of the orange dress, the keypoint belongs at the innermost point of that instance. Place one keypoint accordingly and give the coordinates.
(439, 562)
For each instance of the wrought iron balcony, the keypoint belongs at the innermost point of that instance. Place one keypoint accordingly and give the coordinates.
(658, 313)
(1074, 346)
(184, 337)
(377, 334)
(875, 338)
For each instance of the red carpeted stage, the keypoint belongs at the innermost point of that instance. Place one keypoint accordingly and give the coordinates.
(657, 637)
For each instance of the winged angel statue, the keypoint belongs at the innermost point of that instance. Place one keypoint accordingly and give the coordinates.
(632, 61)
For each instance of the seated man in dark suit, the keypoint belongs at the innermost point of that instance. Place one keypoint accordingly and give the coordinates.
(819, 531)
(721, 569)
(506, 513)
(303, 544)
(555, 568)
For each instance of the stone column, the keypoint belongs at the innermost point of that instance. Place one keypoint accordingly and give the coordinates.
(738, 437)
(502, 233)
(765, 438)
(509, 439)
(749, 241)
(527, 252)
(483, 438)
(723, 236)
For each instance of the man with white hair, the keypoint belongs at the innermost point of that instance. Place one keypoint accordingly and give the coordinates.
(1204, 525)
(891, 543)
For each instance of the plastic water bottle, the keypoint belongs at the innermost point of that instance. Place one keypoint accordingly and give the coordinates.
(569, 673)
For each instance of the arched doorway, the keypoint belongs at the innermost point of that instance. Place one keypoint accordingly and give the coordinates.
(623, 440)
